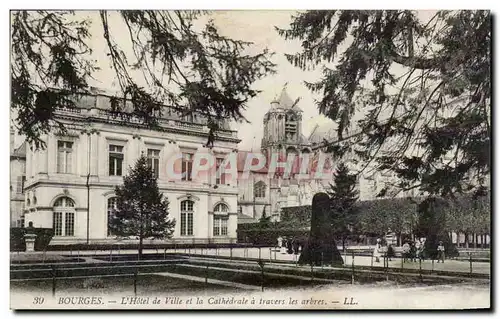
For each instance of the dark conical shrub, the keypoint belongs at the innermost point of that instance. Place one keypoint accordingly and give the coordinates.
(321, 247)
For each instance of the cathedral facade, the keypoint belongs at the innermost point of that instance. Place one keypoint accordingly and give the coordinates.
(266, 193)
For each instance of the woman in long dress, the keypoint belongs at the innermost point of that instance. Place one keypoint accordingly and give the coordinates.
(376, 251)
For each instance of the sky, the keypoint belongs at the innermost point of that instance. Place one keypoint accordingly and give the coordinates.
(251, 26)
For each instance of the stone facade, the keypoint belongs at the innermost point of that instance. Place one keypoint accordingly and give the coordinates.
(72, 181)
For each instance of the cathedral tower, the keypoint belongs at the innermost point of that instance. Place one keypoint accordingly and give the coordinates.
(283, 125)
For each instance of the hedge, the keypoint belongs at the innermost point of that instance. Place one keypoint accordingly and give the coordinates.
(266, 234)
(18, 243)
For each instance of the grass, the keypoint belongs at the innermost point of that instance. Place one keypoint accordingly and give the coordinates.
(146, 285)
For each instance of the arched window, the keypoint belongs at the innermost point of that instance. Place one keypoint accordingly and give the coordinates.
(111, 209)
(187, 210)
(64, 202)
(221, 208)
(63, 218)
(221, 218)
(259, 189)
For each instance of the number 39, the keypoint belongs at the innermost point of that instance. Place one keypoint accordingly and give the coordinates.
(38, 300)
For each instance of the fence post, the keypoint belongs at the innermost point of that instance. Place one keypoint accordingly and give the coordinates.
(262, 273)
(231, 252)
(402, 260)
(111, 253)
(275, 255)
(206, 275)
(386, 267)
(259, 253)
(164, 253)
(352, 267)
(470, 262)
(420, 268)
(312, 271)
(270, 255)
(372, 261)
(135, 281)
(322, 260)
(53, 280)
(432, 269)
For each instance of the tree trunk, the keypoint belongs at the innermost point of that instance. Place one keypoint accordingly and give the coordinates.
(475, 240)
(141, 235)
(466, 236)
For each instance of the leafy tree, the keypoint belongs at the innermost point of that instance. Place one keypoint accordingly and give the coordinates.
(141, 211)
(469, 215)
(431, 225)
(422, 87)
(343, 196)
(191, 68)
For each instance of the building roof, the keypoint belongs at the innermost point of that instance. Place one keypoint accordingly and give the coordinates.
(323, 131)
(284, 101)
(20, 151)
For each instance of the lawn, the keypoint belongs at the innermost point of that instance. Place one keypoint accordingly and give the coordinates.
(147, 284)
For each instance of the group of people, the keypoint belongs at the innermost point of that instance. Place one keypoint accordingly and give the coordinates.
(412, 251)
(289, 245)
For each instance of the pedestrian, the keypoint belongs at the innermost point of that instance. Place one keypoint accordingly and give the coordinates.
(295, 245)
(280, 242)
(413, 252)
(406, 251)
(376, 251)
(283, 245)
(421, 250)
(289, 246)
(440, 251)
(390, 252)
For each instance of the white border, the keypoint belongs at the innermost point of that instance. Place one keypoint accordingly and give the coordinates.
(186, 4)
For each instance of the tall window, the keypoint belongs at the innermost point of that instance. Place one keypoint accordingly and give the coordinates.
(115, 160)
(259, 189)
(220, 221)
(63, 221)
(187, 166)
(64, 156)
(20, 184)
(187, 210)
(154, 161)
(220, 177)
(112, 206)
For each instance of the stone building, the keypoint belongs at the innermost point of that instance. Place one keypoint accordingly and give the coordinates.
(17, 181)
(283, 133)
(70, 185)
